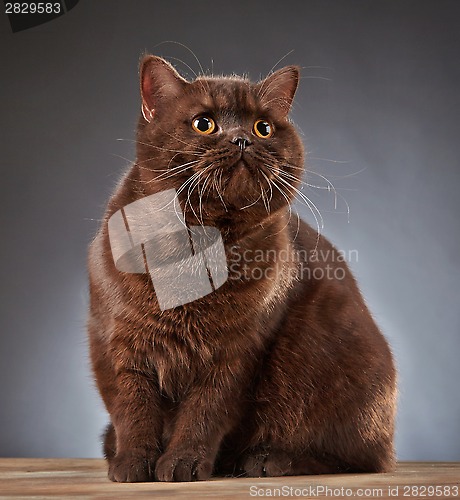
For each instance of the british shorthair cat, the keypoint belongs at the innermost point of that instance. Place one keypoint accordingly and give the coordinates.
(281, 370)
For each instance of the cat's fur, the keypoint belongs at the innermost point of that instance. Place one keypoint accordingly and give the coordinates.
(282, 375)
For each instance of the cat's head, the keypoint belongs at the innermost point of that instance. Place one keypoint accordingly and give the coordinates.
(224, 143)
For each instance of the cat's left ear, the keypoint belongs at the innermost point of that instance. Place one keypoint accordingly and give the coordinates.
(160, 83)
(278, 89)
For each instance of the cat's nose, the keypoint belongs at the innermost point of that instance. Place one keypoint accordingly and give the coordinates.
(241, 142)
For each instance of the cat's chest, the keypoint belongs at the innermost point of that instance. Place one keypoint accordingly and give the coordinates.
(183, 350)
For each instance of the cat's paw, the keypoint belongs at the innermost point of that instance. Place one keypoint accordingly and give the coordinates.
(270, 463)
(132, 467)
(183, 466)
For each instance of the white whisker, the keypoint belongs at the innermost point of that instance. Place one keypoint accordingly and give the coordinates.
(196, 153)
(288, 205)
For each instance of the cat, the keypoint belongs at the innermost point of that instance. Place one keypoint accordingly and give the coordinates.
(273, 373)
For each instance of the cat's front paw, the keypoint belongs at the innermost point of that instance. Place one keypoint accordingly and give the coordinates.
(132, 467)
(261, 463)
(183, 466)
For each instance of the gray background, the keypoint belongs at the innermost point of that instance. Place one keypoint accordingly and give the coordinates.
(380, 93)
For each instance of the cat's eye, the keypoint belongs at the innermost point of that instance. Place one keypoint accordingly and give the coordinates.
(204, 125)
(263, 129)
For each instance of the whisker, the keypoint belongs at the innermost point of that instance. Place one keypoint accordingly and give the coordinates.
(264, 198)
(252, 204)
(271, 190)
(196, 153)
(192, 183)
(330, 188)
(210, 185)
(279, 60)
(328, 159)
(185, 64)
(186, 48)
(201, 192)
(288, 205)
(219, 194)
(305, 199)
(315, 78)
(173, 136)
(190, 189)
(335, 194)
(298, 227)
(179, 169)
(202, 82)
(313, 208)
(122, 157)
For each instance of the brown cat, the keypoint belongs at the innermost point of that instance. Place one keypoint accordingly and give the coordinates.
(279, 371)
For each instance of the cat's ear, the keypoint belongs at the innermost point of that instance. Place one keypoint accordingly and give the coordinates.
(159, 82)
(278, 89)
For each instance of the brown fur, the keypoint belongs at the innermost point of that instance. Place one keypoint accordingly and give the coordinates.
(276, 376)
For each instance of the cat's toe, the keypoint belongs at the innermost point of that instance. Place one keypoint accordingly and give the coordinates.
(267, 464)
(132, 468)
(187, 466)
(278, 464)
(254, 465)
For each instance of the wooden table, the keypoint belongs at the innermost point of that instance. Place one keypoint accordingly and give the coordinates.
(87, 478)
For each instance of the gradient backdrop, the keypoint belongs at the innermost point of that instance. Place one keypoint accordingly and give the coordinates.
(379, 96)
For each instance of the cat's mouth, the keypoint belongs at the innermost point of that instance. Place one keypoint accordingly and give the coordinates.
(240, 167)
(241, 173)
(241, 182)
(238, 181)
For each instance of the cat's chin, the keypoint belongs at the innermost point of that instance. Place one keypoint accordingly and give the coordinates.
(241, 187)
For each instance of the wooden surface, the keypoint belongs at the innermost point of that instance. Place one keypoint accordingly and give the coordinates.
(87, 478)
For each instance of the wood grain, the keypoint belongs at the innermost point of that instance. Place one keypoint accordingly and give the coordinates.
(87, 478)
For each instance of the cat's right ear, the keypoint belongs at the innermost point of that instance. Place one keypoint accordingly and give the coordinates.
(159, 82)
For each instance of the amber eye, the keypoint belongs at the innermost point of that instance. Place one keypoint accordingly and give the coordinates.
(263, 129)
(204, 125)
